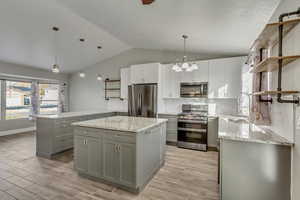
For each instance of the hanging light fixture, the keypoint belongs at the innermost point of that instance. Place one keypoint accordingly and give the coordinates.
(185, 65)
(99, 77)
(81, 74)
(55, 66)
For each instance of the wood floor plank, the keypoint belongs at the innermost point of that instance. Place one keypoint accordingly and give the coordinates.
(187, 175)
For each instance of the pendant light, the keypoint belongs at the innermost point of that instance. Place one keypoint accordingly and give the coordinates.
(55, 67)
(99, 77)
(82, 74)
(185, 65)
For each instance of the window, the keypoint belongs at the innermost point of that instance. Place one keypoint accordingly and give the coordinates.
(18, 99)
(49, 98)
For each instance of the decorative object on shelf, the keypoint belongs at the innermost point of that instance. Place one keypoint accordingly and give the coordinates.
(99, 47)
(55, 67)
(112, 89)
(185, 65)
(81, 74)
(99, 77)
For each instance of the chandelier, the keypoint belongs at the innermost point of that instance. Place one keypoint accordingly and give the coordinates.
(185, 65)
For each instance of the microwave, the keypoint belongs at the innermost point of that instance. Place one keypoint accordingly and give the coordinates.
(194, 90)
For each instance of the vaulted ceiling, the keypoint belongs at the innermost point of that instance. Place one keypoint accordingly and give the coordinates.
(223, 28)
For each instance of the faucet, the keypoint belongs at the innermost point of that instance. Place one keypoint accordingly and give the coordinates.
(249, 105)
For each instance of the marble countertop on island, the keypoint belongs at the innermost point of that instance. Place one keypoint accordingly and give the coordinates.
(122, 123)
(239, 129)
(73, 114)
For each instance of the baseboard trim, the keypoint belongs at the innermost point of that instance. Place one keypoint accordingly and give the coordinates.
(16, 131)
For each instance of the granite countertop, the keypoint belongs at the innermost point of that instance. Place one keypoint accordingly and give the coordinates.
(72, 114)
(239, 129)
(122, 123)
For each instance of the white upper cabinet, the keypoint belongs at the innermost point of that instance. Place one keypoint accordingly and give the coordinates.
(170, 82)
(144, 73)
(225, 77)
(125, 82)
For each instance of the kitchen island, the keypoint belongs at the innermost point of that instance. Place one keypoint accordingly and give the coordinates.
(123, 151)
(54, 133)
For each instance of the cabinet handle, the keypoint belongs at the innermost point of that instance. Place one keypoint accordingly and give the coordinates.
(119, 148)
(116, 148)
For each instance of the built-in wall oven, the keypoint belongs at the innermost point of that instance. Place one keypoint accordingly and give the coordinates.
(192, 127)
(194, 90)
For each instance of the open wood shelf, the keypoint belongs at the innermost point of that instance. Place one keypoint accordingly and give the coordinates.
(269, 36)
(271, 63)
(266, 93)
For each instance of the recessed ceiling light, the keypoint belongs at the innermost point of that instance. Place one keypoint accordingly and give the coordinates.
(81, 74)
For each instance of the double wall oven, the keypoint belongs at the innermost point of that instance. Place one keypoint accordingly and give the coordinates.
(192, 127)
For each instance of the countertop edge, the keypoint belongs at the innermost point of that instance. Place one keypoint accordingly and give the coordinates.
(78, 124)
(291, 144)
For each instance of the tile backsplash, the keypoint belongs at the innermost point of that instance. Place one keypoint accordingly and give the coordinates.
(216, 106)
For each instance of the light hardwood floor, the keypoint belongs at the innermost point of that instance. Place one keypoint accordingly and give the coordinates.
(187, 175)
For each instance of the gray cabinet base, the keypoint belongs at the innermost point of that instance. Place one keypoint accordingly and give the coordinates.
(129, 189)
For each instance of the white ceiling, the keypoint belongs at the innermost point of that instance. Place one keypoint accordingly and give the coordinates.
(26, 36)
(219, 27)
(214, 26)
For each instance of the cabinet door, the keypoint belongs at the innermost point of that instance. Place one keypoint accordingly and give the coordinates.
(145, 73)
(137, 74)
(171, 82)
(201, 74)
(151, 72)
(81, 154)
(94, 156)
(125, 79)
(110, 160)
(225, 77)
(127, 164)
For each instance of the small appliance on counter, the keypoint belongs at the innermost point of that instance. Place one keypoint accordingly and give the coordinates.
(194, 90)
(142, 100)
(192, 127)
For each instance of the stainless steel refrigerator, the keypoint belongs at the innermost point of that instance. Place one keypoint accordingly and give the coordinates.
(142, 100)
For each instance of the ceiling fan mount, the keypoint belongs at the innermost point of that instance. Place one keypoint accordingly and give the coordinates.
(147, 2)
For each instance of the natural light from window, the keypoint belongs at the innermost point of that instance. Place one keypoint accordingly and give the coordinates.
(49, 98)
(18, 99)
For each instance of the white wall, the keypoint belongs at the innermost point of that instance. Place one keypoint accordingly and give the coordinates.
(282, 115)
(88, 93)
(21, 70)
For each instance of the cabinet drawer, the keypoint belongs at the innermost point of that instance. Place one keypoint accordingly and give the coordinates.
(171, 136)
(62, 143)
(119, 137)
(172, 125)
(87, 132)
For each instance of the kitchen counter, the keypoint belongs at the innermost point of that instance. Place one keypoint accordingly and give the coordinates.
(239, 129)
(122, 123)
(72, 114)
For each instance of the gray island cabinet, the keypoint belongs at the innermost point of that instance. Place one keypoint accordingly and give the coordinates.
(123, 151)
(54, 133)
